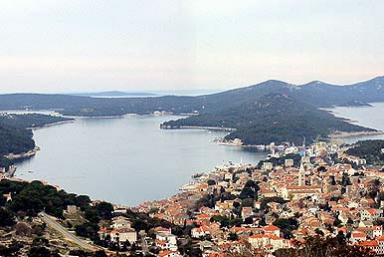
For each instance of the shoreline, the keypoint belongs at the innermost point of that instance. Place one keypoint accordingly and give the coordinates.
(341, 135)
(70, 120)
(165, 127)
(24, 155)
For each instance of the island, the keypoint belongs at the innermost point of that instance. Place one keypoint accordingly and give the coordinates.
(271, 111)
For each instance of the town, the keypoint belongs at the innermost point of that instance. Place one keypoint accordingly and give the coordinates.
(297, 193)
(279, 202)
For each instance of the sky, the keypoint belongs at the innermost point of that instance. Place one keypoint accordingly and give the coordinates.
(140, 45)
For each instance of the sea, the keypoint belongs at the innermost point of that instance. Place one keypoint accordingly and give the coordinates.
(128, 160)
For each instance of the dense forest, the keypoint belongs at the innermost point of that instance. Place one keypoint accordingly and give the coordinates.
(273, 118)
(15, 133)
(253, 111)
(370, 150)
(29, 199)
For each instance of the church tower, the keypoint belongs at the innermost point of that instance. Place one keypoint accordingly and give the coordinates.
(302, 175)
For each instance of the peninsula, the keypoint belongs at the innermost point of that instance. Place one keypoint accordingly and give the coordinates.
(271, 111)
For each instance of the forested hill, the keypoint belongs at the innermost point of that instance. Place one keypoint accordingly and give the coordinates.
(238, 108)
(272, 118)
(316, 93)
(370, 150)
(15, 135)
(92, 106)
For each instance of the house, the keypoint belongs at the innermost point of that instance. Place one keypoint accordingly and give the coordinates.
(380, 247)
(206, 246)
(103, 233)
(121, 222)
(288, 163)
(72, 209)
(165, 240)
(267, 166)
(370, 214)
(372, 231)
(200, 232)
(123, 235)
(169, 254)
(272, 242)
(358, 236)
(246, 212)
(224, 207)
(298, 192)
(370, 244)
(8, 197)
(271, 230)
(119, 235)
(119, 210)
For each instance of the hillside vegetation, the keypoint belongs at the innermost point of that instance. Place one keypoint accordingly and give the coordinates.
(15, 133)
(272, 111)
(370, 150)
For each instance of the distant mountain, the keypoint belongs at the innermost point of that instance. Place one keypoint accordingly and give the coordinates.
(324, 95)
(116, 94)
(271, 110)
(316, 93)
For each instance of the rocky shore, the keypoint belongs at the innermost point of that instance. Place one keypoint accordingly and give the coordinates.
(341, 135)
(24, 155)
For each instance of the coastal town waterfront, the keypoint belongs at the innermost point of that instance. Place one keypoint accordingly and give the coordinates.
(268, 209)
(299, 193)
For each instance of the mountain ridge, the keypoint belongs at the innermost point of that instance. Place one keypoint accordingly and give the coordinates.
(234, 107)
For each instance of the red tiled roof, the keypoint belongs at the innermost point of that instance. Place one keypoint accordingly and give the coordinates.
(369, 243)
(270, 228)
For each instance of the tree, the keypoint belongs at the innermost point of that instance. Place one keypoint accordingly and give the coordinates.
(100, 254)
(345, 181)
(104, 210)
(247, 192)
(22, 229)
(247, 202)
(7, 218)
(41, 252)
(323, 247)
(233, 237)
(82, 201)
(211, 182)
(88, 230)
(319, 232)
(10, 250)
(286, 226)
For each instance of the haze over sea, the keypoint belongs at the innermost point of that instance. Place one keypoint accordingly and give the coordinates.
(129, 160)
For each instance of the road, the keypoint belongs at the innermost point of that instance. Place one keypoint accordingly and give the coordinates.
(52, 223)
(144, 245)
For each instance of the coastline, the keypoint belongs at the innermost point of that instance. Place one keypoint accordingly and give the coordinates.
(22, 156)
(31, 153)
(341, 135)
(162, 126)
(70, 120)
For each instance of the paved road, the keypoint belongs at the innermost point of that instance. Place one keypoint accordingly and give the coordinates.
(144, 245)
(51, 222)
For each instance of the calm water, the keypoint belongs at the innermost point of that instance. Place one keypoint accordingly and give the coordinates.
(371, 117)
(129, 160)
(125, 160)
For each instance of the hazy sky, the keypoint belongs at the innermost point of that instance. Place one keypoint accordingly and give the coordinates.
(82, 45)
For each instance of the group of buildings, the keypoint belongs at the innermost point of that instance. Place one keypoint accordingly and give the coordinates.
(320, 196)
